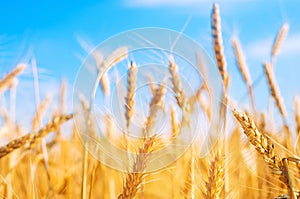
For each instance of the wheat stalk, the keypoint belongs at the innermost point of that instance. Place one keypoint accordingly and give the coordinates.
(279, 39)
(175, 126)
(188, 182)
(31, 138)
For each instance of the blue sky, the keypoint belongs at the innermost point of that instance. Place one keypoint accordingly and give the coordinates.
(50, 30)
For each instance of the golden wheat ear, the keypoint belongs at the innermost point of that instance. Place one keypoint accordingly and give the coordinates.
(243, 68)
(218, 43)
(31, 138)
(274, 90)
(9, 78)
(215, 184)
(266, 149)
(280, 37)
(129, 99)
(134, 179)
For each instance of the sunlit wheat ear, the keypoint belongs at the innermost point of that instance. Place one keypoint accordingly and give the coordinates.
(7, 80)
(114, 58)
(297, 116)
(153, 107)
(257, 139)
(241, 62)
(265, 148)
(274, 89)
(63, 96)
(279, 39)
(129, 100)
(134, 179)
(180, 96)
(151, 84)
(218, 43)
(243, 68)
(36, 122)
(177, 87)
(31, 138)
(215, 184)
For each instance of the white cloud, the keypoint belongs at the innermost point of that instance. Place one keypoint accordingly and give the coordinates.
(156, 3)
(262, 48)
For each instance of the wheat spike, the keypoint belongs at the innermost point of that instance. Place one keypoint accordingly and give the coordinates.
(129, 100)
(134, 179)
(177, 87)
(31, 138)
(257, 139)
(266, 148)
(9, 78)
(274, 89)
(241, 62)
(103, 66)
(215, 184)
(279, 39)
(243, 68)
(151, 84)
(297, 116)
(181, 98)
(153, 107)
(40, 112)
(218, 43)
(63, 96)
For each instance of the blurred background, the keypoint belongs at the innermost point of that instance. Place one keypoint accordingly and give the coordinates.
(50, 32)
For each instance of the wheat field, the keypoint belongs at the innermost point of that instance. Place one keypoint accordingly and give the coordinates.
(254, 159)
